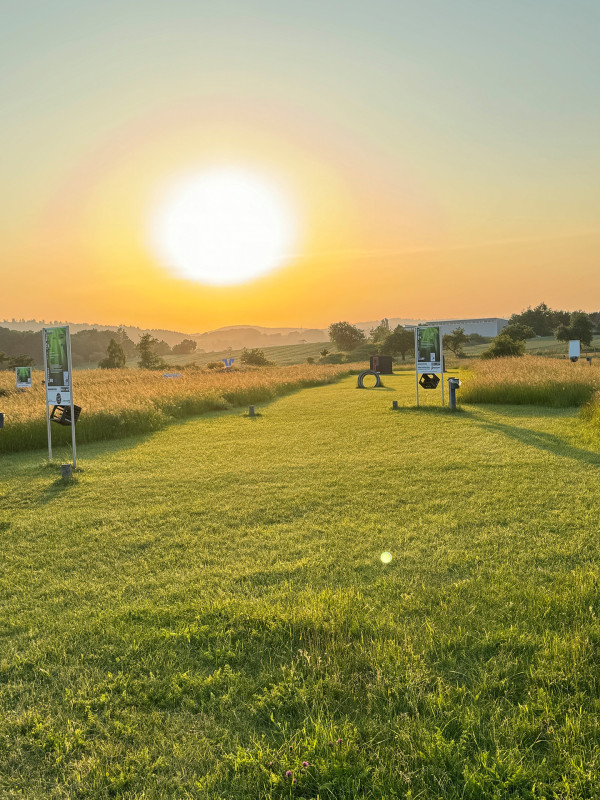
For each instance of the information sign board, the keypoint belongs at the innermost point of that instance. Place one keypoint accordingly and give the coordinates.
(57, 364)
(23, 375)
(429, 349)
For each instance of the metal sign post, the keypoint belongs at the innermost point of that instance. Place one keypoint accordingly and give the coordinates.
(48, 426)
(59, 383)
(73, 442)
(417, 367)
(442, 360)
(429, 359)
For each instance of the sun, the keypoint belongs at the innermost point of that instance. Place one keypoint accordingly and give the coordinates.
(223, 226)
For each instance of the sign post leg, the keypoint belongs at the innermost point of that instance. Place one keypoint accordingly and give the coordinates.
(73, 442)
(49, 427)
(442, 364)
(416, 368)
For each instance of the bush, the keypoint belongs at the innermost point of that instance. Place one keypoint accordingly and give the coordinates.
(504, 346)
(333, 358)
(215, 365)
(477, 338)
(254, 358)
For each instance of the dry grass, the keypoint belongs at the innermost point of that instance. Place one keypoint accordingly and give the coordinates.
(531, 380)
(119, 403)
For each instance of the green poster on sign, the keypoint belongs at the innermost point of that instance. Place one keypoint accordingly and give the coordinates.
(58, 368)
(429, 351)
(23, 377)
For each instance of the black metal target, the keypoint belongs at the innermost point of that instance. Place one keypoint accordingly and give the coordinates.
(429, 381)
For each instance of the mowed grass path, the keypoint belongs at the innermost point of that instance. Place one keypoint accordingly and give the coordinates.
(205, 609)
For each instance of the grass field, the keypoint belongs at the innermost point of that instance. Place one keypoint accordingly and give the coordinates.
(531, 380)
(117, 403)
(204, 609)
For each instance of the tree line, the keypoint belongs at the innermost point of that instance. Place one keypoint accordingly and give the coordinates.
(539, 321)
(93, 346)
(383, 340)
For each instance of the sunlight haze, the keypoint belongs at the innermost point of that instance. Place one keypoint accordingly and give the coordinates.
(436, 159)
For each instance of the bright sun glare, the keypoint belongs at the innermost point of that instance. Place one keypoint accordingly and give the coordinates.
(223, 226)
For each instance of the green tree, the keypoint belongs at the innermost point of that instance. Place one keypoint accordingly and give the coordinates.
(399, 341)
(128, 345)
(345, 336)
(381, 332)
(519, 331)
(455, 341)
(184, 347)
(3, 358)
(542, 319)
(115, 356)
(254, 358)
(161, 348)
(148, 356)
(503, 346)
(581, 327)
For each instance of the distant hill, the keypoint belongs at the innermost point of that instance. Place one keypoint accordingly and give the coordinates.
(220, 339)
(170, 337)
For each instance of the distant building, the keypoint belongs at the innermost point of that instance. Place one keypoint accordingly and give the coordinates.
(486, 326)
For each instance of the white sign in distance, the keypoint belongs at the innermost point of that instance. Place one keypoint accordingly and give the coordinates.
(574, 349)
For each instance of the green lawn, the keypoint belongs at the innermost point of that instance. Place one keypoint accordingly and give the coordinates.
(205, 608)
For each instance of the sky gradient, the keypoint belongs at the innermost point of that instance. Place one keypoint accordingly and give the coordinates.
(442, 157)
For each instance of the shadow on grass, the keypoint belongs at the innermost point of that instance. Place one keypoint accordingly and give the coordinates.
(57, 488)
(444, 410)
(542, 441)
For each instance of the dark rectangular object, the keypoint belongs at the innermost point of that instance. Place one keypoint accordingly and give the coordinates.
(62, 414)
(381, 364)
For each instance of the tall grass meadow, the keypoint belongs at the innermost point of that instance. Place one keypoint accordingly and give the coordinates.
(531, 380)
(125, 402)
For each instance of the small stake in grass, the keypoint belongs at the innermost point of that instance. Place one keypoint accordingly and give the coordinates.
(394, 405)
(66, 472)
(251, 412)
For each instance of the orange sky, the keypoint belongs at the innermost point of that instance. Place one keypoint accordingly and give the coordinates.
(423, 189)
